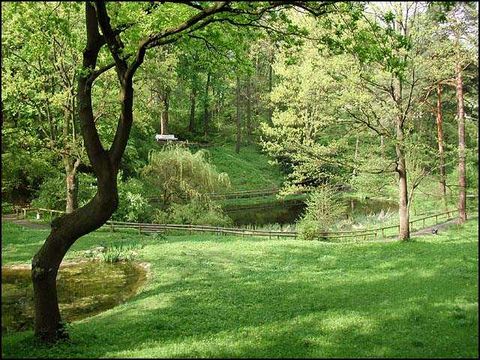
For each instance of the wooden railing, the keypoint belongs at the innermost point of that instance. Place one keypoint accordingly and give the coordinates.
(243, 194)
(379, 232)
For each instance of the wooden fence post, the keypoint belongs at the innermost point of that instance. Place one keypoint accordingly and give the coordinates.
(111, 227)
(139, 229)
(383, 232)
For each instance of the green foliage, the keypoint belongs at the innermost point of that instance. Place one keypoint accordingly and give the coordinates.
(51, 194)
(178, 175)
(7, 208)
(121, 252)
(133, 204)
(199, 211)
(324, 208)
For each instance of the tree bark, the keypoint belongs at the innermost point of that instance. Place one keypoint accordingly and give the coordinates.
(206, 109)
(249, 111)
(382, 146)
(441, 151)
(403, 216)
(270, 87)
(68, 228)
(191, 124)
(71, 181)
(462, 199)
(165, 98)
(239, 125)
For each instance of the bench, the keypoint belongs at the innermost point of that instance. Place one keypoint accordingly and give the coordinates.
(160, 137)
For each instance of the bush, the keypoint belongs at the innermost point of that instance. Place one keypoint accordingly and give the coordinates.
(197, 212)
(133, 205)
(180, 176)
(121, 252)
(7, 208)
(52, 192)
(324, 208)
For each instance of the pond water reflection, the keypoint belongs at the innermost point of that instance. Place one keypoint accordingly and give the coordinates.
(84, 289)
(289, 211)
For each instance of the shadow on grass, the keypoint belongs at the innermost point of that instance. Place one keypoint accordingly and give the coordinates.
(285, 299)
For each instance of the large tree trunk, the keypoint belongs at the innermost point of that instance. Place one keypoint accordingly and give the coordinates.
(441, 151)
(191, 124)
(462, 213)
(68, 228)
(206, 109)
(403, 216)
(239, 124)
(45, 264)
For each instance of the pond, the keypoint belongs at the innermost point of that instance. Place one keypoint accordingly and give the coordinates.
(289, 211)
(84, 289)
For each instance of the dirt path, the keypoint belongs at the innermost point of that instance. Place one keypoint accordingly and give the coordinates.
(24, 222)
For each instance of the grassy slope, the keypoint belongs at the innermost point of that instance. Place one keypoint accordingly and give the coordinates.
(212, 296)
(248, 170)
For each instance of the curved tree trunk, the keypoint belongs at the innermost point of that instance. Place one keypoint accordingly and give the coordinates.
(65, 231)
(68, 228)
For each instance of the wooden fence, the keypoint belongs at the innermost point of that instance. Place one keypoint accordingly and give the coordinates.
(244, 194)
(380, 232)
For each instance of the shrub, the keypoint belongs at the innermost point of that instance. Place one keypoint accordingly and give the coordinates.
(200, 211)
(133, 204)
(121, 252)
(180, 176)
(52, 192)
(324, 208)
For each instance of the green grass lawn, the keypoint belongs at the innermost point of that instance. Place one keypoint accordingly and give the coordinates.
(248, 170)
(213, 296)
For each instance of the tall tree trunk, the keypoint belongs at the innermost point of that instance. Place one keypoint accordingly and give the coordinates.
(404, 233)
(239, 125)
(270, 87)
(71, 181)
(382, 146)
(441, 152)
(354, 172)
(249, 111)
(206, 109)
(164, 116)
(66, 229)
(191, 124)
(462, 199)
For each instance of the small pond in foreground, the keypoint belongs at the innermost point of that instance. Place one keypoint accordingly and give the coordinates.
(84, 289)
(289, 211)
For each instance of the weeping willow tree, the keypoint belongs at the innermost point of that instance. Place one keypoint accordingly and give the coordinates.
(180, 176)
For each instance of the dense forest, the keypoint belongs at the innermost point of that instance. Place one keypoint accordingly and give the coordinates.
(373, 99)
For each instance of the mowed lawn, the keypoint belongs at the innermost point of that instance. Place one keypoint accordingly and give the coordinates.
(214, 296)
